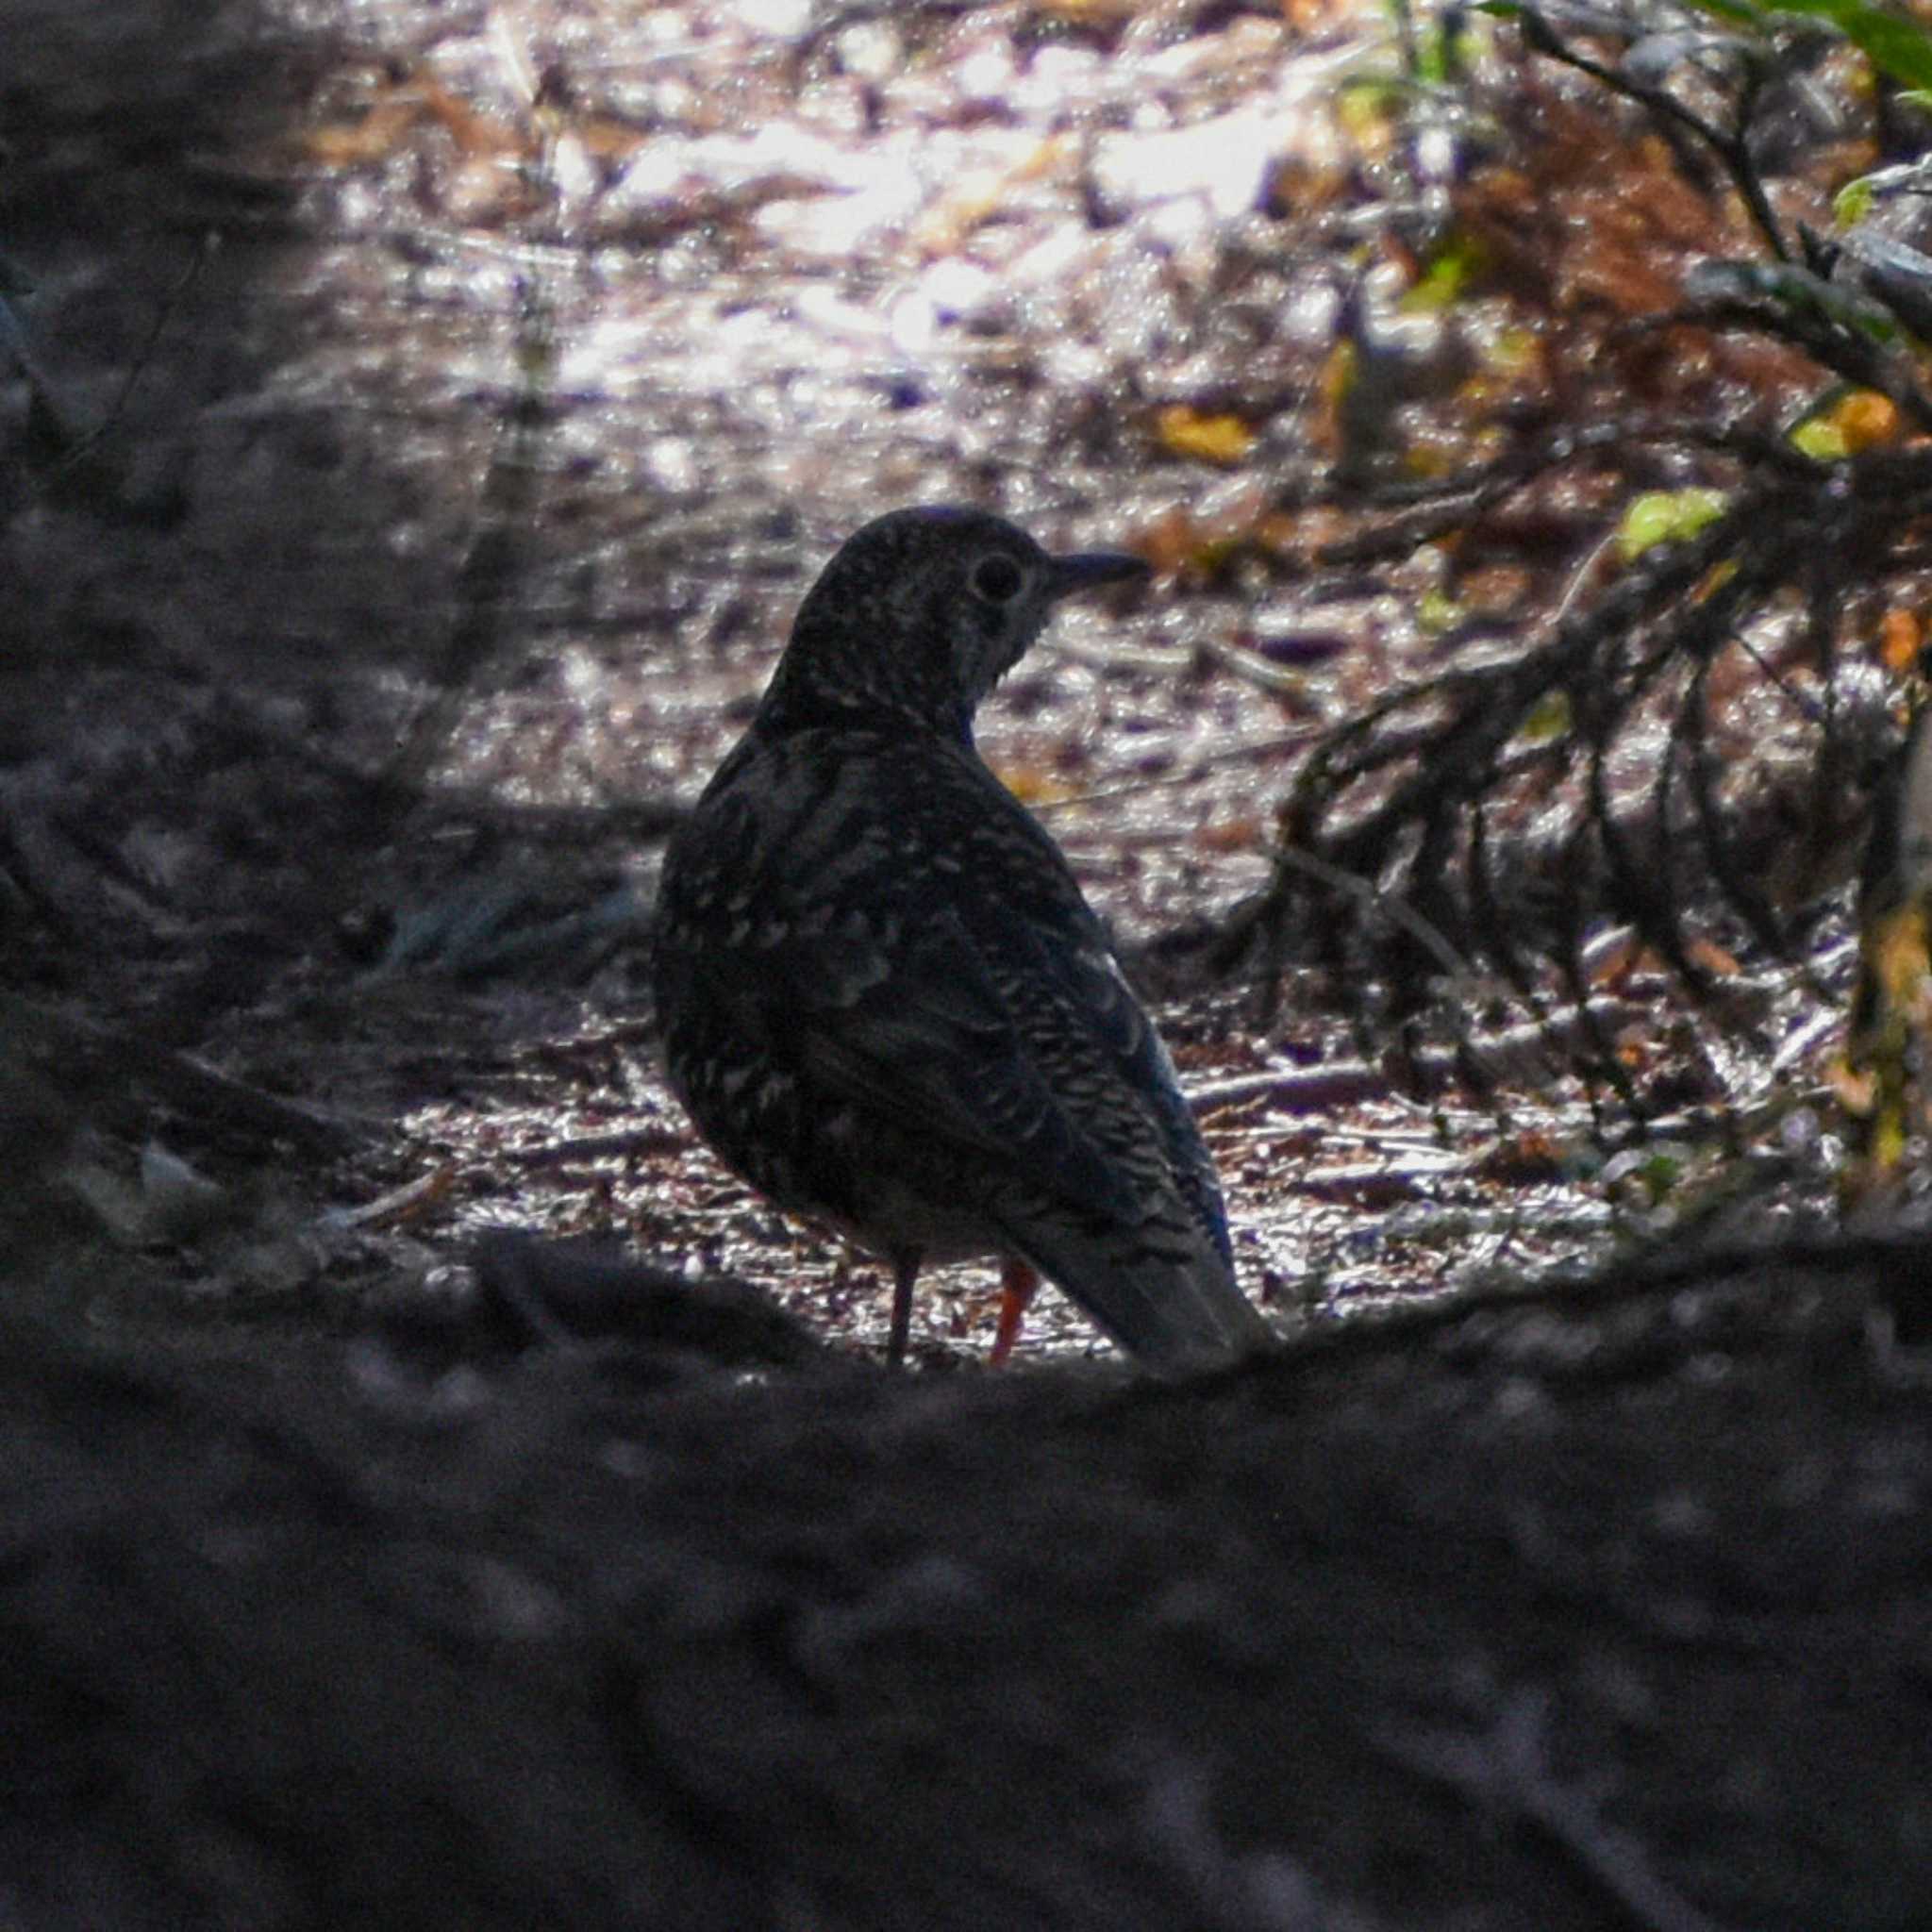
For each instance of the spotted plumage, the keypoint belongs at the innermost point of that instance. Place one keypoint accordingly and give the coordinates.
(885, 1001)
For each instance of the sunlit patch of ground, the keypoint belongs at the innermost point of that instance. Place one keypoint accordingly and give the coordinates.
(768, 278)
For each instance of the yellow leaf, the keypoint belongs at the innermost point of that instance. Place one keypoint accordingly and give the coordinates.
(1714, 579)
(1900, 954)
(1512, 352)
(1205, 439)
(1427, 460)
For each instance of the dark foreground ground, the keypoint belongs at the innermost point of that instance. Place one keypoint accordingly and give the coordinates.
(1607, 1607)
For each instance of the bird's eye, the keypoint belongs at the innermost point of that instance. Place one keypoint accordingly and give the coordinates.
(996, 579)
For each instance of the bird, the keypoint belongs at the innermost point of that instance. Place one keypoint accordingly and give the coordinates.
(884, 999)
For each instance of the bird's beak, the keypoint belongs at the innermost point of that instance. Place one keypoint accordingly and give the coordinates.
(1086, 570)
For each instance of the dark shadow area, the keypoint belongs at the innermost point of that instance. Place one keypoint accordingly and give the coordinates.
(1597, 1609)
(253, 532)
(211, 603)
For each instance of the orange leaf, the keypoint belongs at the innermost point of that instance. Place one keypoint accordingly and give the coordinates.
(1032, 784)
(1713, 958)
(1230, 835)
(1865, 418)
(1900, 634)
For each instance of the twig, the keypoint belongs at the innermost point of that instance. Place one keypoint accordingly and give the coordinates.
(1731, 148)
(1507, 1769)
(83, 1050)
(1522, 1053)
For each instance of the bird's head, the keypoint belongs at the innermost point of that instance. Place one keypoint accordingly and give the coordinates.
(921, 613)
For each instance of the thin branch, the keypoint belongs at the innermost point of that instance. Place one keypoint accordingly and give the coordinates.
(1731, 148)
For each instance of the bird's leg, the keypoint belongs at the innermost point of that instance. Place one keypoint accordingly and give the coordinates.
(904, 1272)
(1018, 1281)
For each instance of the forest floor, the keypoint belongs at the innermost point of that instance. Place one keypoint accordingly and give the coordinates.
(762, 278)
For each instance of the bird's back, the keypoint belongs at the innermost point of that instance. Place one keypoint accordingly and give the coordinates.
(886, 1002)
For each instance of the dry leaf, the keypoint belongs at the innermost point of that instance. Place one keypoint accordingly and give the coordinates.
(1901, 632)
(1245, 834)
(1184, 432)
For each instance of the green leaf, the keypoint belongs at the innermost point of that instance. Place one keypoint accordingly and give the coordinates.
(1439, 53)
(1369, 102)
(1822, 440)
(1853, 202)
(1894, 44)
(1549, 719)
(1451, 269)
(1666, 516)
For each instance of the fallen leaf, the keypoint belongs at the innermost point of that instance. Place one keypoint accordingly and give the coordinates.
(1666, 516)
(1901, 633)
(1243, 834)
(1184, 432)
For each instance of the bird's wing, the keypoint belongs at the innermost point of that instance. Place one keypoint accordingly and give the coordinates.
(1006, 1027)
(930, 1032)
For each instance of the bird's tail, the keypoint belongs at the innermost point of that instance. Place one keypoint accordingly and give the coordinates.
(1174, 1310)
